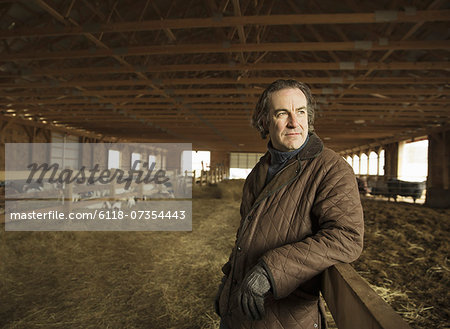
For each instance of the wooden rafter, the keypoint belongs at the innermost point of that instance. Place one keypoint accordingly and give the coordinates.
(303, 19)
(192, 71)
(227, 48)
(280, 66)
(213, 81)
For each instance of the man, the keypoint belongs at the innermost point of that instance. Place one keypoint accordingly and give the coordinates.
(300, 214)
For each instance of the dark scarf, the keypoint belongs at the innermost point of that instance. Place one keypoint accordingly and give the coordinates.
(278, 159)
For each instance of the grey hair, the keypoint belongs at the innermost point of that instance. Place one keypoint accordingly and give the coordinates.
(260, 116)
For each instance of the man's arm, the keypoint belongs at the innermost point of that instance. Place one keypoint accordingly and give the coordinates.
(339, 238)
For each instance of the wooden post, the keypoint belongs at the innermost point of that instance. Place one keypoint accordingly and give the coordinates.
(175, 182)
(391, 160)
(359, 164)
(112, 191)
(438, 191)
(368, 163)
(68, 196)
(141, 191)
(445, 164)
(378, 162)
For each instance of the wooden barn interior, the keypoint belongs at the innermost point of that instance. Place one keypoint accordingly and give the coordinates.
(153, 71)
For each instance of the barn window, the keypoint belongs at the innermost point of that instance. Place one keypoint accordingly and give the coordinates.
(242, 163)
(373, 163)
(135, 157)
(65, 150)
(349, 160)
(356, 164)
(113, 159)
(200, 160)
(151, 160)
(413, 161)
(186, 162)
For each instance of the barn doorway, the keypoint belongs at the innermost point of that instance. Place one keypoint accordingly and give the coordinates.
(413, 161)
(195, 161)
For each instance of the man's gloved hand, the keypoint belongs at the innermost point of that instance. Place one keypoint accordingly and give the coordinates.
(219, 292)
(255, 286)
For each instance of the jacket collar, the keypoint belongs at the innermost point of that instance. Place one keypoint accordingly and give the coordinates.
(292, 169)
(313, 148)
(278, 157)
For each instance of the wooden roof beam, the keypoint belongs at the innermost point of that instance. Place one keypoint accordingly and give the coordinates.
(170, 35)
(313, 31)
(225, 48)
(408, 34)
(325, 115)
(215, 22)
(141, 17)
(102, 45)
(54, 127)
(374, 122)
(231, 108)
(228, 108)
(231, 81)
(281, 66)
(225, 100)
(235, 91)
(240, 29)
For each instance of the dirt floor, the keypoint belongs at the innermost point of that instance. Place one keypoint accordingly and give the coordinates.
(169, 279)
(406, 260)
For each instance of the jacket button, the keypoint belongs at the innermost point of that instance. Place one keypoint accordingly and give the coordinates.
(239, 248)
(249, 217)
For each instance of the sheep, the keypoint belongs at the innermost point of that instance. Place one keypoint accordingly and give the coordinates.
(117, 205)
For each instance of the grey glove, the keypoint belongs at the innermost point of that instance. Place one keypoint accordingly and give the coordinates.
(219, 292)
(255, 286)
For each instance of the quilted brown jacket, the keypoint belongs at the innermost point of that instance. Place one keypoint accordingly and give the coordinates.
(307, 218)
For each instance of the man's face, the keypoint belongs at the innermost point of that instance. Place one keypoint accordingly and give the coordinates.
(288, 119)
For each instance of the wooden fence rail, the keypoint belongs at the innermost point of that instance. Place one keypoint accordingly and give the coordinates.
(212, 176)
(354, 304)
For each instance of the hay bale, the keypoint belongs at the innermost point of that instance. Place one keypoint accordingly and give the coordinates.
(231, 189)
(210, 191)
